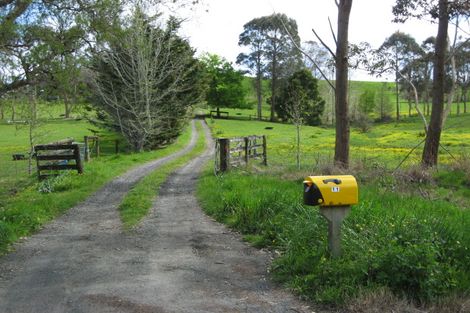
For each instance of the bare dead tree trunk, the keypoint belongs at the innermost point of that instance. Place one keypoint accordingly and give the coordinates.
(431, 146)
(341, 108)
(415, 92)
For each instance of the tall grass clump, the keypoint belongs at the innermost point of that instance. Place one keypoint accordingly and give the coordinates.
(418, 249)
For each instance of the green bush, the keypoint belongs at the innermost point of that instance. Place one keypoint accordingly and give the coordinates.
(417, 248)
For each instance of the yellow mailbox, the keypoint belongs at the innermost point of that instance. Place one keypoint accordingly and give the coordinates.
(326, 191)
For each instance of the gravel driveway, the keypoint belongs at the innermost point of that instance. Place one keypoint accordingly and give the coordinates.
(176, 260)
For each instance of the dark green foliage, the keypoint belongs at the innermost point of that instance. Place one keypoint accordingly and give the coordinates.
(301, 93)
(146, 79)
(418, 249)
(226, 89)
(367, 101)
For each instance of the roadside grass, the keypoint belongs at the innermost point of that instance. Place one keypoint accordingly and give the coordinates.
(26, 212)
(406, 241)
(416, 248)
(138, 201)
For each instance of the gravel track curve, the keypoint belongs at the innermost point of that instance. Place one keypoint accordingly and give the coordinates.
(177, 260)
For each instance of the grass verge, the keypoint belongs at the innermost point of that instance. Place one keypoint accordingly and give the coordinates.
(138, 201)
(27, 211)
(418, 249)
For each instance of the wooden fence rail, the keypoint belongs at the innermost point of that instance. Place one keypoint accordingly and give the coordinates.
(57, 157)
(234, 152)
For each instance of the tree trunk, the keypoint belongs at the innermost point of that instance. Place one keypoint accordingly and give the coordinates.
(218, 112)
(298, 145)
(259, 95)
(433, 137)
(397, 89)
(67, 106)
(13, 110)
(2, 112)
(464, 100)
(341, 107)
(409, 94)
(273, 86)
(453, 86)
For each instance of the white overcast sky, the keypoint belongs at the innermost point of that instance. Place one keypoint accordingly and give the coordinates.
(215, 25)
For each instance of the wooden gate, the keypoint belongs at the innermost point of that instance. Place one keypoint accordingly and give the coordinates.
(51, 158)
(234, 152)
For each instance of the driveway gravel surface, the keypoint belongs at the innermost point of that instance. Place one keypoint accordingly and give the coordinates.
(177, 260)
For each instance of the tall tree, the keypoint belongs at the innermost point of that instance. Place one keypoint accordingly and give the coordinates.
(319, 59)
(427, 62)
(443, 11)
(341, 87)
(226, 88)
(272, 40)
(283, 59)
(33, 34)
(400, 50)
(308, 105)
(462, 57)
(145, 81)
(253, 39)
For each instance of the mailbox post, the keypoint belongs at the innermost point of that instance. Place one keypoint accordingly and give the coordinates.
(334, 195)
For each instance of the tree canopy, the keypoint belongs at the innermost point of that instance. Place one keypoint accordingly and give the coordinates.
(226, 88)
(146, 80)
(300, 97)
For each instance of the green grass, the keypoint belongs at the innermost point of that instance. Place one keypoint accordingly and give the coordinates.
(27, 211)
(384, 144)
(417, 248)
(14, 139)
(139, 200)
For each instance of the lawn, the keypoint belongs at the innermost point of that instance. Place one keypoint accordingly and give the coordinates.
(14, 139)
(385, 143)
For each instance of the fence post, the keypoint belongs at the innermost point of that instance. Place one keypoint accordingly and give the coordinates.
(97, 141)
(78, 160)
(265, 153)
(37, 162)
(247, 150)
(224, 146)
(117, 146)
(87, 152)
